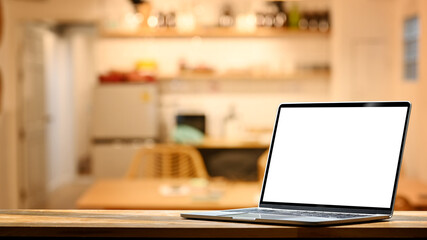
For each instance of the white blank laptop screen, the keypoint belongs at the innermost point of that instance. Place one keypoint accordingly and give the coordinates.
(345, 156)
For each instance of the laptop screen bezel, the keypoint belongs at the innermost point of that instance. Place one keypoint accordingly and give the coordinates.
(337, 208)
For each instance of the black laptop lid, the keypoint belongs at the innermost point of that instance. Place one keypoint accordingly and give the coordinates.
(336, 156)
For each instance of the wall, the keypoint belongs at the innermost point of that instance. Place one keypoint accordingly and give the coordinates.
(5, 187)
(362, 49)
(414, 91)
(367, 62)
(4, 125)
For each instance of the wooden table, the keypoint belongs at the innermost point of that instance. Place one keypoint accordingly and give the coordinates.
(142, 223)
(164, 194)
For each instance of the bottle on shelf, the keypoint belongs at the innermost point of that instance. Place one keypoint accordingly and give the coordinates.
(294, 16)
(259, 19)
(304, 16)
(313, 22)
(232, 128)
(170, 20)
(161, 20)
(313, 19)
(226, 19)
(280, 18)
(324, 21)
(144, 9)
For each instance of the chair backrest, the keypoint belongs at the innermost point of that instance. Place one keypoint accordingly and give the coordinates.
(167, 161)
(261, 164)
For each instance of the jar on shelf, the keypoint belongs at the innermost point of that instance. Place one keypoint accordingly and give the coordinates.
(146, 70)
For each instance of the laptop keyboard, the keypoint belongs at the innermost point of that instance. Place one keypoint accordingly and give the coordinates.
(298, 213)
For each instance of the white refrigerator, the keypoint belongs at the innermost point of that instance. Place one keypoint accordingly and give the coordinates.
(125, 116)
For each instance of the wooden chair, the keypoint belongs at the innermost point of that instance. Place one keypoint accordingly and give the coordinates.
(261, 164)
(167, 161)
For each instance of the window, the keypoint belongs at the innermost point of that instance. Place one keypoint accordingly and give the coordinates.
(411, 48)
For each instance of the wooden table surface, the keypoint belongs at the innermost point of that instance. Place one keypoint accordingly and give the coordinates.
(151, 223)
(168, 194)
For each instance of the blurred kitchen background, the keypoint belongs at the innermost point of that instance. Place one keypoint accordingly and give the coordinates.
(85, 83)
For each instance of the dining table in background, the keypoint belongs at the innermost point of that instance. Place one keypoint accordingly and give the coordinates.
(170, 194)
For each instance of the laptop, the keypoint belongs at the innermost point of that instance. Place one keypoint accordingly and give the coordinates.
(329, 163)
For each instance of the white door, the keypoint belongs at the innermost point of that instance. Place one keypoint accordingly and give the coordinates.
(33, 119)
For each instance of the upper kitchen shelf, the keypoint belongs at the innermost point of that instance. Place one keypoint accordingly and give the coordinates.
(214, 33)
(325, 75)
